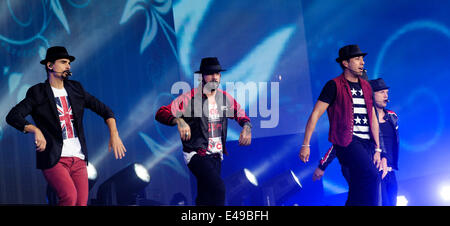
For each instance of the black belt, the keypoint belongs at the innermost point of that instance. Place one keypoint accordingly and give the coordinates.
(214, 155)
(203, 152)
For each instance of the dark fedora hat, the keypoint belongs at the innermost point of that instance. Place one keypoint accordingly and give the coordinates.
(348, 52)
(378, 84)
(55, 53)
(210, 65)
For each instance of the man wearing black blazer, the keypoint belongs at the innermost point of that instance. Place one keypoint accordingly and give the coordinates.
(57, 108)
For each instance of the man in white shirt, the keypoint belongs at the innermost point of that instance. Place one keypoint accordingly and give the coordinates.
(57, 108)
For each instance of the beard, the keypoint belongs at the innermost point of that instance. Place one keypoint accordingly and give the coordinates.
(211, 86)
(66, 74)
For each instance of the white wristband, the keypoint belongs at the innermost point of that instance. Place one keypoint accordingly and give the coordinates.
(378, 149)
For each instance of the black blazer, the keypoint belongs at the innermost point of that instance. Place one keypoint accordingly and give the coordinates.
(40, 103)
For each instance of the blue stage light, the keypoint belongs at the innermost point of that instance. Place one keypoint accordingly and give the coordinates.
(280, 188)
(296, 179)
(402, 200)
(142, 172)
(251, 177)
(239, 186)
(125, 187)
(92, 172)
(445, 192)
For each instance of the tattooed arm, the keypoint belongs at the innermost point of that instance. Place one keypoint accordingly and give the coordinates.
(183, 129)
(246, 135)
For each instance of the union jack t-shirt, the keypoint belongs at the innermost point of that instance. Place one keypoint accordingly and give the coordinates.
(71, 143)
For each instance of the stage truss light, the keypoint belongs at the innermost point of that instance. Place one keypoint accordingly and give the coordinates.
(280, 187)
(239, 186)
(125, 187)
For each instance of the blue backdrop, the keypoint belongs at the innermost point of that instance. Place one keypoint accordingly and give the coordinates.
(131, 52)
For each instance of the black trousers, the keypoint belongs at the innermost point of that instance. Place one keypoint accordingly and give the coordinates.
(389, 189)
(210, 186)
(362, 175)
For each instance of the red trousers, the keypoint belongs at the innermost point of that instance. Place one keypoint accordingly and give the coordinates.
(69, 179)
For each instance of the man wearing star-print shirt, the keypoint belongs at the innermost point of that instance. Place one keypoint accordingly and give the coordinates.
(57, 108)
(389, 142)
(353, 127)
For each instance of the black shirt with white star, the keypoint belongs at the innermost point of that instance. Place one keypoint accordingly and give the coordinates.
(360, 117)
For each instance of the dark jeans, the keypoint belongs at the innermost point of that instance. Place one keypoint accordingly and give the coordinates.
(210, 186)
(362, 175)
(389, 189)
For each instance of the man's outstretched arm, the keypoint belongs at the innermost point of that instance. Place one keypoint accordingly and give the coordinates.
(318, 111)
(114, 141)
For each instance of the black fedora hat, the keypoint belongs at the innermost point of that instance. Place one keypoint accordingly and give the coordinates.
(55, 53)
(348, 52)
(210, 65)
(378, 84)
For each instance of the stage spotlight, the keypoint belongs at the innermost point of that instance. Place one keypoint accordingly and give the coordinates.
(125, 187)
(92, 175)
(52, 198)
(281, 187)
(250, 177)
(296, 179)
(142, 172)
(402, 200)
(445, 192)
(239, 186)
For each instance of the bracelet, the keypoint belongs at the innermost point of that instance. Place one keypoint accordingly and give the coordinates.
(306, 145)
(378, 149)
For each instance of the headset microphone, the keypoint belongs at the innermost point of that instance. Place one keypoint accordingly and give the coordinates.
(364, 75)
(67, 72)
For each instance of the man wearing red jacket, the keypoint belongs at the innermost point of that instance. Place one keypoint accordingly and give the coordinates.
(202, 116)
(354, 129)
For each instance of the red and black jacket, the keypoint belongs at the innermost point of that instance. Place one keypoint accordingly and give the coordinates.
(340, 113)
(192, 107)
